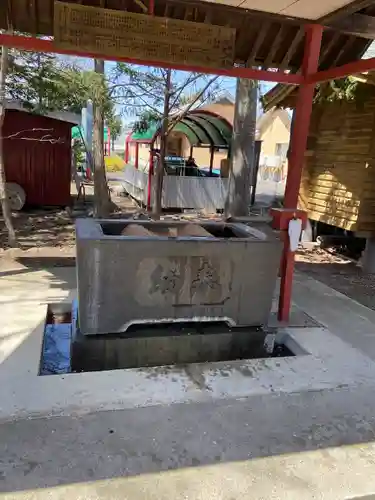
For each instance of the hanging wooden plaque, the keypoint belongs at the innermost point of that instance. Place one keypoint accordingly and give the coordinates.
(138, 36)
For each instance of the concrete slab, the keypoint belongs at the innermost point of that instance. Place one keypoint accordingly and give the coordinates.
(296, 428)
(24, 296)
(310, 445)
(346, 318)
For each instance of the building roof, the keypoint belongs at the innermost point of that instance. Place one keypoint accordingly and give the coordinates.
(273, 38)
(283, 95)
(205, 127)
(146, 135)
(63, 116)
(226, 111)
(200, 127)
(265, 120)
(222, 109)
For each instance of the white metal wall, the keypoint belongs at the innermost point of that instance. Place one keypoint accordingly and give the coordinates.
(199, 193)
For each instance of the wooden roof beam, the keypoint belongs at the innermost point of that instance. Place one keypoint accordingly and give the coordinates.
(292, 48)
(272, 51)
(44, 45)
(342, 51)
(345, 11)
(328, 47)
(357, 25)
(141, 5)
(8, 13)
(257, 43)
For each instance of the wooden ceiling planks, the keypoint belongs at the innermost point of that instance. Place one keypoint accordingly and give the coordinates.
(256, 33)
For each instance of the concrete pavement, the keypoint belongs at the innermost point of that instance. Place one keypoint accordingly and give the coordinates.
(297, 429)
(344, 317)
(285, 446)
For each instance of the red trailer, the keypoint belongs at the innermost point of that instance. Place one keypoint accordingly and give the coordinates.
(37, 154)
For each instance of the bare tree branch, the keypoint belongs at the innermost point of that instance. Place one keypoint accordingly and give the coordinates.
(44, 138)
(179, 91)
(196, 99)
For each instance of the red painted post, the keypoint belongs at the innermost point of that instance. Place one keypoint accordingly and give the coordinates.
(127, 150)
(109, 141)
(136, 154)
(149, 183)
(298, 143)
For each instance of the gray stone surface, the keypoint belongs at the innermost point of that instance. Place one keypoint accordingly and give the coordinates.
(344, 317)
(165, 347)
(124, 280)
(307, 442)
(213, 449)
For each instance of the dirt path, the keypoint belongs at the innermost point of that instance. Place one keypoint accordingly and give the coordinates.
(46, 236)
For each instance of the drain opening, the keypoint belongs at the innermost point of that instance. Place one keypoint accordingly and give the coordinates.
(143, 346)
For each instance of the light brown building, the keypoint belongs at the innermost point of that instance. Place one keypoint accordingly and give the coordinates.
(273, 129)
(188, 138)
(338, 178)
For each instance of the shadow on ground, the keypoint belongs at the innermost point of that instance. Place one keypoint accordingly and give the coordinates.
(61, 271)
(346, 278)
(46, 452)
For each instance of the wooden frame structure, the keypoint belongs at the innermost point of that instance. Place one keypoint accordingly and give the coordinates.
(321, 51)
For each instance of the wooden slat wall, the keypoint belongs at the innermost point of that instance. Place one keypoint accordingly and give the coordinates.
(338, 181)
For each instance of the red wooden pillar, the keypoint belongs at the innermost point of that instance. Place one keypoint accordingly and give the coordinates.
(298, 141)
(127, 141)
(136, 154)
(150, 177)
(109, 141)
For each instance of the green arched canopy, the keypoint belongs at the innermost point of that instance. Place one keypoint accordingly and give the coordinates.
(201, 129)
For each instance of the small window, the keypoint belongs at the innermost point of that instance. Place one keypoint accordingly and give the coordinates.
(281, 149)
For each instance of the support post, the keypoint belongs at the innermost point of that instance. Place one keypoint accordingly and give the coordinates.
(298, 143)
(212, 152)
(150, 176)
(136, 155)
(108, 141)
(368, 256)
(126, 151)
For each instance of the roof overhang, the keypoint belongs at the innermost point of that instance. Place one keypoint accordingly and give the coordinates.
(62, 116)
(301, 9)
(269, 33)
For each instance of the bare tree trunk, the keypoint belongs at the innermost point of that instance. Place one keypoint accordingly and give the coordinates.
(102, 202)
(237, 203)
(163, 147)
(7, 214)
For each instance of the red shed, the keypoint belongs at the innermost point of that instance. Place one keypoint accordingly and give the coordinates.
(37, 154)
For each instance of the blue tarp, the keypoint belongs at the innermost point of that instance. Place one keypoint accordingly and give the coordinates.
(56, 349)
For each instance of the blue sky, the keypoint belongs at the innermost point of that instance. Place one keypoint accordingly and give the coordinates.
(228, 85)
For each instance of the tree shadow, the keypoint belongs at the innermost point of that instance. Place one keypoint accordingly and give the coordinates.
(47, 452)
(36, 228)
(60, 271)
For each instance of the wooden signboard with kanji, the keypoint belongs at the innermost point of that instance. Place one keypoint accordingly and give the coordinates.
(143, 37)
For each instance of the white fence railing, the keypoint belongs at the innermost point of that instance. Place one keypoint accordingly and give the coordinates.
(199, 193)
(135, 183)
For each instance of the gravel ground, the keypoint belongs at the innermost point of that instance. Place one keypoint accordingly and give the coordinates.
(339, 273)
(46, 236)
(47, 239)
